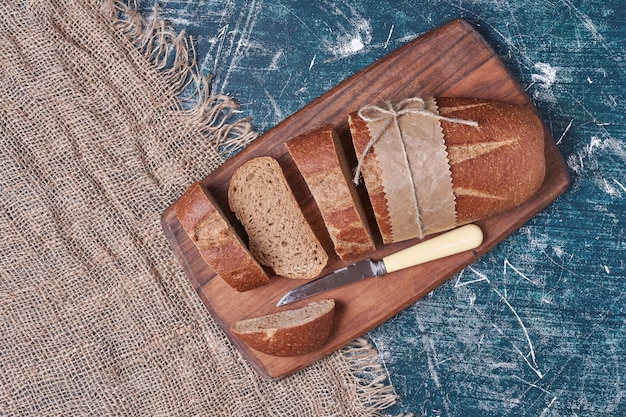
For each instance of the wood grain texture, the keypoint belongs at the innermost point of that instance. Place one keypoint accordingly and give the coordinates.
(452, 60)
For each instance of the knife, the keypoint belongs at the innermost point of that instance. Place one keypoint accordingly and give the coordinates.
(458, 240)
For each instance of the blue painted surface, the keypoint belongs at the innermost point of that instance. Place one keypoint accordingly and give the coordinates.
(537, 327)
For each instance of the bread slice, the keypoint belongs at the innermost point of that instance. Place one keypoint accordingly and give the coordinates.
(322, 162)
(496, 166)
(216, 241)
(280, 237)
(290, 332)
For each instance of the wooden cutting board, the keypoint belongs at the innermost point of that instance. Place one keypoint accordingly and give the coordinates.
(452, 60)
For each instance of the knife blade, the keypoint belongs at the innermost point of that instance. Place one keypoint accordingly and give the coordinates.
(458, 240)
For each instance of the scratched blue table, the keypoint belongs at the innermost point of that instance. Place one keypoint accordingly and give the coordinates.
(537, 327)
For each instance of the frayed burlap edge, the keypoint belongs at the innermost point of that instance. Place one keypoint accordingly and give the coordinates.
(372, 384)
(173, 55)
(213, 116)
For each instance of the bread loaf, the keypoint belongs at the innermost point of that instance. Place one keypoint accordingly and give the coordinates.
(291, 332)
(494, 167)
(216, 241)
(280, 237)
(322, 162)
(498, 166)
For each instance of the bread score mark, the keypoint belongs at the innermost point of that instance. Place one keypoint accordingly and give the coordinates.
(466, 152)
(448, 110)
(467, 192)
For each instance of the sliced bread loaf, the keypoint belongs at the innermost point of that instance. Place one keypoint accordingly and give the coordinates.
(280, 236)
(290, 332)
(216, 241)
(323, 164)
(495, 166)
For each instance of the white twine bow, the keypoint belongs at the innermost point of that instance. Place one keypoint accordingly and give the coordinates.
(390, 113)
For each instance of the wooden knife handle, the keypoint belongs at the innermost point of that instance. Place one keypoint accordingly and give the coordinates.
(455, 241)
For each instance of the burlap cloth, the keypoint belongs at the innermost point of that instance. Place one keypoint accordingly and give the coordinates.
(104, 121)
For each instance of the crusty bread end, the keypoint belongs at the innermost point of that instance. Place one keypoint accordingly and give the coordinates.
(498, 165)
(216, 241)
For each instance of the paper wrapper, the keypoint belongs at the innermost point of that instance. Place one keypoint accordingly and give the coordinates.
(407, 141)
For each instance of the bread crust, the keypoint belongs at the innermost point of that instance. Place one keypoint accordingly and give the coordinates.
(280, 236)
(496, 166)
(275, 335)
(371, 174)
(321, 160)
(216, 241)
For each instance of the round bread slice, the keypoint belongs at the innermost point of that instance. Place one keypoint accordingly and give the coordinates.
(290, 332)
(280, 236)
